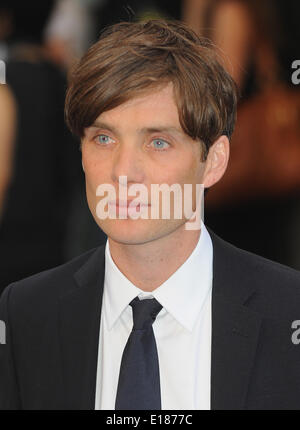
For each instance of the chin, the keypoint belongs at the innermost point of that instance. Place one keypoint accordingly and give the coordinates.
(137, 232)
(128, 232)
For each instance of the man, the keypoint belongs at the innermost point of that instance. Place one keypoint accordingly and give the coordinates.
(163, 316)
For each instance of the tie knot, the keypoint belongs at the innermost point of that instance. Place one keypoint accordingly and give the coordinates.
(144, 312)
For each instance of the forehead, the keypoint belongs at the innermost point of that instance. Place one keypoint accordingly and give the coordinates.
(152, 105)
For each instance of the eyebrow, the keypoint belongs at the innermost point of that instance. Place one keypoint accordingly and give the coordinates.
(99, 124)
(153, 129)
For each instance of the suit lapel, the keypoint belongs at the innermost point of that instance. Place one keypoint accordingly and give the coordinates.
(80, 313)
(235, 328)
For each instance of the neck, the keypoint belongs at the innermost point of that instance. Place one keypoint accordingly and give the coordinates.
(150, 264)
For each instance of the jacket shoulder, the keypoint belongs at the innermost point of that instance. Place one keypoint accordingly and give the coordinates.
(47, 286)
(276, 286)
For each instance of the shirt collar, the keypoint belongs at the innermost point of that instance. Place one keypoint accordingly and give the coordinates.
(183, 294)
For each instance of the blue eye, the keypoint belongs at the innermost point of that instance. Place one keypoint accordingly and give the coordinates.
(160, 144)
(103, 139)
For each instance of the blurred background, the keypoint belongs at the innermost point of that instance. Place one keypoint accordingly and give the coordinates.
(44, 218)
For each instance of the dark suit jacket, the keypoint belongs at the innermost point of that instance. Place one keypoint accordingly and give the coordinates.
(52, 319)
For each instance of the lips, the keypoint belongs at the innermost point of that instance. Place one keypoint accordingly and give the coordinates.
(129, 208)
(128, 204)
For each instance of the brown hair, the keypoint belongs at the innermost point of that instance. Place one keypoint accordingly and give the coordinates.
(133, 57)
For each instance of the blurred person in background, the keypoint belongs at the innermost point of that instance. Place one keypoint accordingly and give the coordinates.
(70, 30)
(255, 204)
(228, 23)
(46, 161)
(5, 30)
(7, 131)
(7, 112)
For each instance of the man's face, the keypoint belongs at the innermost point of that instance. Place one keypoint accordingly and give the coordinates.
(141, 139)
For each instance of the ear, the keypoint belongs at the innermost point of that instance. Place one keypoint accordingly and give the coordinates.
(216, 162)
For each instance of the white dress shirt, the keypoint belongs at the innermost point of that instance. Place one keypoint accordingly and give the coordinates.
(182, 330)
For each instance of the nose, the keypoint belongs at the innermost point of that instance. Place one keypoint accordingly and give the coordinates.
(128, 161)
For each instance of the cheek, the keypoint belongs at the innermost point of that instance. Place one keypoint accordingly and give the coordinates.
(188, 171)
(96, 168)
(195, 168)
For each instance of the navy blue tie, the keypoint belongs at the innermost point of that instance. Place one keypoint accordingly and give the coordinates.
(139, 383)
